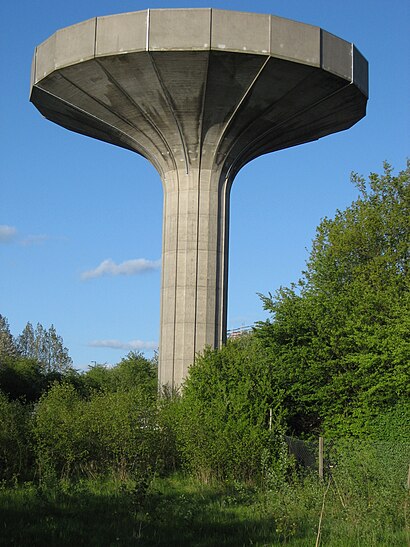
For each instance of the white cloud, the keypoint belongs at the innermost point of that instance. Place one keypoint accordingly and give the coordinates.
(34, 240)
(7, 233)
(129, 267)
(117, 344)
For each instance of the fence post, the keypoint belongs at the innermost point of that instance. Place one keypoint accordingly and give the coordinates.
(321, 447)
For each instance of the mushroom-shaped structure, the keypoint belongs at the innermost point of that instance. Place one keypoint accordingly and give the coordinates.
(199, 93)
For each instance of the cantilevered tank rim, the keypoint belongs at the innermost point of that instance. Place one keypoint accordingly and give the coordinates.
(209, 29)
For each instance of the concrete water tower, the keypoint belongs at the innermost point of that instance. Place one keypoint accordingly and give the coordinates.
(199, 93)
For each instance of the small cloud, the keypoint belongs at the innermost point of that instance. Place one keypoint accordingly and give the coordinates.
(34, 240)
(7, 233)
(129, 267)
(117, 344)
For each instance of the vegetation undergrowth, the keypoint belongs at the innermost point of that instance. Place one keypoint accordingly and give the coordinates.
(180, 510)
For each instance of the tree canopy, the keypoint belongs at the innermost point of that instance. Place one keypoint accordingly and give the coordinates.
(340, 336)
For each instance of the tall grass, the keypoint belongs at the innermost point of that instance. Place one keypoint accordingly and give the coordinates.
(179, 511)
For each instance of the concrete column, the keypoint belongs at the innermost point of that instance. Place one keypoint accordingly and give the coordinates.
(194, 269)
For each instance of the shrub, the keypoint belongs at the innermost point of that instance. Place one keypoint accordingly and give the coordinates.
(15, 446)
(223, 416)
(109, 432)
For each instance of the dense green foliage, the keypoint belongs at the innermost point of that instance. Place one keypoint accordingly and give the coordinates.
(134, 371)
(334, 359)
(30, 363)
(223, 416)
(340, 338)
(15, 448)
(108, 432)
(44, 346)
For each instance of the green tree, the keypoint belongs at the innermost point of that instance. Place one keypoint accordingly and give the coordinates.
(22, 378)
(8, 346)
(98, 377)
(340, 337)
(46, 346)
(136, 371)
(33, 362)
(15, 446)
(223, 414)
(102, 434)
(26, 342)
(133, 371)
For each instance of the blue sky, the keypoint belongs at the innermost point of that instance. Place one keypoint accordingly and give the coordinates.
(81, 221)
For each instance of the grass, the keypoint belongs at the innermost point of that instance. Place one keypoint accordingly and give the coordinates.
(179, 511)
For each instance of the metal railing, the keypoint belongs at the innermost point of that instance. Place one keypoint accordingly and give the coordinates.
(235, 333)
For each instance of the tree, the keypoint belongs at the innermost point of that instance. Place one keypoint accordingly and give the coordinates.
(136, 371)
(56, 355)
(340, 337)
(223, 415)
(15, 448)
(26, 342)
(46, 346)
(133, 372)
(8, 347)
(31, 364)
(22, 378)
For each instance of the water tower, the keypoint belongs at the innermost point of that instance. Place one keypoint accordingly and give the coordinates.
(199, 93)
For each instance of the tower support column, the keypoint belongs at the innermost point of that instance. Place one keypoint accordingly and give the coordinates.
(194, 269)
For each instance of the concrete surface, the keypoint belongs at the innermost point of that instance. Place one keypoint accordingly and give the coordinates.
(199, 93)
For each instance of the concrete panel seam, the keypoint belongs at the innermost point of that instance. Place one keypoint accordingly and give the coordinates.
(283, 122)
(172, 110)
(238, 106)
(127, 122)
(95, 37)
(351, 64)
(147, 35)
(143, 113)
(78, 109)
(34, 74)
(199, 175)
(210, 29)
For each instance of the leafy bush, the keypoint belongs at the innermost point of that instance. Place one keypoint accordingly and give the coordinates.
(122, 433)
(109, 432)
(223, 415)
(369, 482)
(340, 338)
(22, 378)
(15, 446)
(61, 438)
(133, 371)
